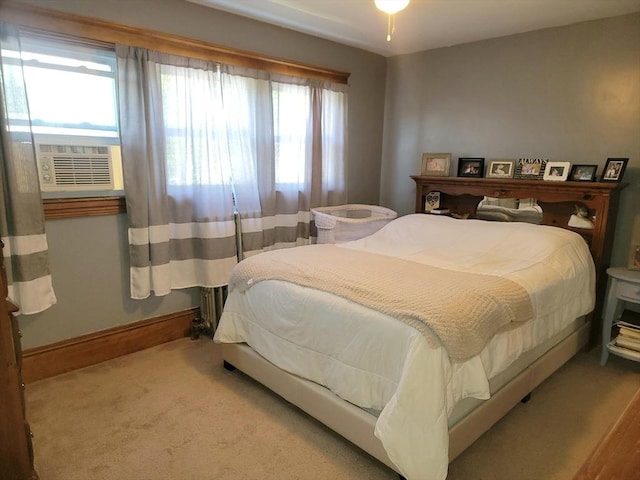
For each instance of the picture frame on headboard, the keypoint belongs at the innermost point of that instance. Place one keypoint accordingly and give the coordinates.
(436, 164)
(471, 167)
(583, 173)
(501, 168)
(530, 168)
(614, 169)
(556, 171)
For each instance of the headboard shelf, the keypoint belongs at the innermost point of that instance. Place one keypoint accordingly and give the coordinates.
(558, 200)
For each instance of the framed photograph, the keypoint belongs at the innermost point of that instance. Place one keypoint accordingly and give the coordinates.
(558, 171)
(501, 169)
(436, 164)
(583, 173)
(614, 169)
(431, 201)
(471, 167)
(530, 168)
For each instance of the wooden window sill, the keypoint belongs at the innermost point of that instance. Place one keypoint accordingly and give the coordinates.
(55, 208)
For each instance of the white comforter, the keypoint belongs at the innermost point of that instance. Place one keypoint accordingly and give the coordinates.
(377, 362)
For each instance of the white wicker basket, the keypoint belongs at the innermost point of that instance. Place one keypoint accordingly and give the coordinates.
(344, 223)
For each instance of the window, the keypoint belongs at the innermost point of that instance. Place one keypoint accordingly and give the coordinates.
(52, 26)
(71, 88)
(291, 112)
(213, 122)
(72, 112)
(195, 132)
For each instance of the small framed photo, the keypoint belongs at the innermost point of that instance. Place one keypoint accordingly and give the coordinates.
(614, 169)
(436, 164)
(471, 167)
(530, 168)
(431, 201)
(558, 171)
(583, 173)
(501, 169)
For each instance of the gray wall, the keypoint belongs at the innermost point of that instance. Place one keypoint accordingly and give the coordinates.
(90, 268)
(567, 94)
(89, 255)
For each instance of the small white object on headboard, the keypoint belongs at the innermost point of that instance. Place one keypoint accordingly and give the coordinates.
(580, 222)
(580, 218)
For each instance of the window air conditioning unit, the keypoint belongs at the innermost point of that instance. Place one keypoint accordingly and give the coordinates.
(74, 167)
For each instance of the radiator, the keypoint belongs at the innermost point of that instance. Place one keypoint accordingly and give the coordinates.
(211, 303)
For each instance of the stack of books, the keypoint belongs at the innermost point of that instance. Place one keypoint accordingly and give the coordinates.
(629, 331)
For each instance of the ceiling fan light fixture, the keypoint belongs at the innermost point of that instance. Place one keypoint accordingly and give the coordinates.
(391, 7)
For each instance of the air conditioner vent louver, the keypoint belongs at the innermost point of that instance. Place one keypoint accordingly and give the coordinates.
(74, 149)
(82, 171)
(75, 167)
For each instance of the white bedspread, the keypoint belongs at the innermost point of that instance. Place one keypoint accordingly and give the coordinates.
(377, 362)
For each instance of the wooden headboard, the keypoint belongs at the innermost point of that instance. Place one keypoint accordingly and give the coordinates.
(558, 201)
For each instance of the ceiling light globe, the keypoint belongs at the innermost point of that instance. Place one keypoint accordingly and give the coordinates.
(391, 6)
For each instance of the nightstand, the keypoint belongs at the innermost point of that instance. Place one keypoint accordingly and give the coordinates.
(623, 288)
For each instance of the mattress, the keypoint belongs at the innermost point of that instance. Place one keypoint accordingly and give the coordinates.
(378, 363)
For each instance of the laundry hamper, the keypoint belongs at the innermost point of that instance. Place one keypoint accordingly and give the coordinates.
(344, 223)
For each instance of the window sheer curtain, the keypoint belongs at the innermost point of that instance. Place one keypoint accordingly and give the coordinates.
(177, 188)
(200, 139)
(293, 136)
(22, 226)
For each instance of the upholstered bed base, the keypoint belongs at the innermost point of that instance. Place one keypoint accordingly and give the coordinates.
(357, 425)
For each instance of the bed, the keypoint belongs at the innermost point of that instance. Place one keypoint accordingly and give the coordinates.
(412, 396)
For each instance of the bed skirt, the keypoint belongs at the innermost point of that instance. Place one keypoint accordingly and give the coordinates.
(469, 422)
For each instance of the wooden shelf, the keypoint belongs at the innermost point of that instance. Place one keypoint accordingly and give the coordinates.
(581, 231)
(623, 352)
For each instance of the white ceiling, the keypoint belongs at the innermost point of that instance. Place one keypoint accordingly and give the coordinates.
(424, 24)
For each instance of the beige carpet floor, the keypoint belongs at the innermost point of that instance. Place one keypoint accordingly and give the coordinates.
(173, 412)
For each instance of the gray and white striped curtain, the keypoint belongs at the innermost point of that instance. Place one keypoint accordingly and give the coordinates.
(22, 224)
(195, 136)
(179, 198)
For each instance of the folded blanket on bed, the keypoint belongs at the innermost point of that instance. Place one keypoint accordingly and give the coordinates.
(464, 310)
